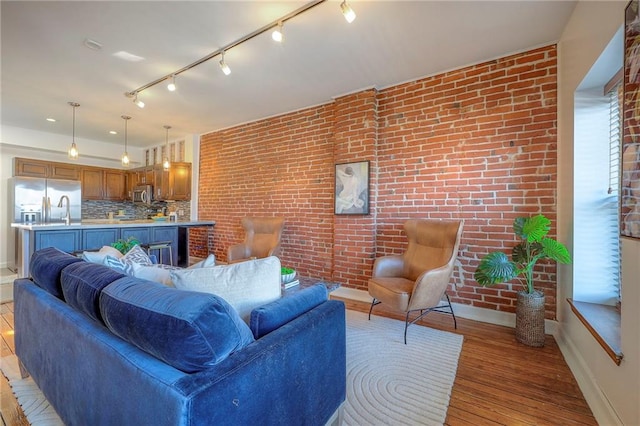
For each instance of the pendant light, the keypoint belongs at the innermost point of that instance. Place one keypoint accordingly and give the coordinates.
(348, 13)
(73, 149)
(166, 164)
(125, 156)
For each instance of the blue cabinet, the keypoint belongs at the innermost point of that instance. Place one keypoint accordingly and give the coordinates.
(94, 239)
(166, 233)
(141, 234)
(67, 240)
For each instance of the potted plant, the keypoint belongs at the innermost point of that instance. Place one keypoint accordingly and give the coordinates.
(123, 246)
(496, 267)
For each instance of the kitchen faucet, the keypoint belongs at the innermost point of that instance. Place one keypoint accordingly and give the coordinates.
(67, 217)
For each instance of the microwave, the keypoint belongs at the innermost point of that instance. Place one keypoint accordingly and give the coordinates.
(142, 194)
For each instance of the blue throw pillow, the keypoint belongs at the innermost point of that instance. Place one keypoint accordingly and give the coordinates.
(46, 266)
(273, 315)
(82, 283)
(188, 330)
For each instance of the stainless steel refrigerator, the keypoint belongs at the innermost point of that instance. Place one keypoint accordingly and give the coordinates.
(36, 200)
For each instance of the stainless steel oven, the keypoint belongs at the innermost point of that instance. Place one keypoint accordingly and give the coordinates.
(143, 194)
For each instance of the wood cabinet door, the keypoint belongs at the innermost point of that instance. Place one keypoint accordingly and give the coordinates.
(68, 240)
(160, 184)
(29, 167)
(92, 181)
(180, 181)
(64, 171)
(94, 239)
(115, 185)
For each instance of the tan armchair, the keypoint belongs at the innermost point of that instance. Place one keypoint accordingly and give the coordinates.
(262, 239)
(417, 280)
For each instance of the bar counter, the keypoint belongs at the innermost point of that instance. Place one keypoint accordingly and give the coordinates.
(92, 234)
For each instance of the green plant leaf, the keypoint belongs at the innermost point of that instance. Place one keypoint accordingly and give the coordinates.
(495, 268)
(555, 250)
(518, 227)
(536, 228)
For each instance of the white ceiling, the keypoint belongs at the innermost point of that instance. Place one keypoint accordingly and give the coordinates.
(45, 63)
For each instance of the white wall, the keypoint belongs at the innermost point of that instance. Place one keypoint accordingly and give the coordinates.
(612, 391)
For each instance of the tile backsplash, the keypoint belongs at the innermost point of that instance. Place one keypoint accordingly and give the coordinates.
(101, 209)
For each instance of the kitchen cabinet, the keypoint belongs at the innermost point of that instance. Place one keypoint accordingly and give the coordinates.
(64, 171)
(45, 169)
(115, 185)
(180, 181)
(92, 182)
(141, 234)
(30, 168)
(66, 240)
(175, 184)
(94, 239)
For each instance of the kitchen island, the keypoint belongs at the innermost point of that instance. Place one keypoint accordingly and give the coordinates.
(92, 234)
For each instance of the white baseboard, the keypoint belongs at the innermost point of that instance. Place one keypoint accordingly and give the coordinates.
(600, 406)
(463, 311)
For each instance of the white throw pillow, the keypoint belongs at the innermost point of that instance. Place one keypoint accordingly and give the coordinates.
(98, 256)
(157, 273)
(244, 285)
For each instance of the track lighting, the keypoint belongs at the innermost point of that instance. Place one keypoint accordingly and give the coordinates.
(139, 103)
(73, 149)
(166, 164)
(172, 84)
(277, 34)
(223, 66)
(125, 157)
(348, 13)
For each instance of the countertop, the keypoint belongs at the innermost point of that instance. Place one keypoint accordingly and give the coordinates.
(109, 223)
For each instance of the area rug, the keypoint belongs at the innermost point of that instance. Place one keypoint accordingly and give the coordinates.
(390, 383)
(34, 405)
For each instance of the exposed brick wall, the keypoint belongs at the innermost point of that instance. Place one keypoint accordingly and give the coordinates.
(477, 143)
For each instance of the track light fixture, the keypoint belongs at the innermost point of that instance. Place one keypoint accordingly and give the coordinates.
(172, 84)
(277, 34)
(348, 13)
(125, 157)
(73, 149)
(138, 102)
(223, 66)
(166, 164)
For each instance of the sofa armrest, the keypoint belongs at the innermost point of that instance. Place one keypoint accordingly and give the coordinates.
(271, 316)
(296, 372)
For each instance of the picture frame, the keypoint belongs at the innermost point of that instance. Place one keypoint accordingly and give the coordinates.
(630, 167)
(351, 196)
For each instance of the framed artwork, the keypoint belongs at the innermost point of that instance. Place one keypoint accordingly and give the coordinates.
(630, 187)
(352, 188)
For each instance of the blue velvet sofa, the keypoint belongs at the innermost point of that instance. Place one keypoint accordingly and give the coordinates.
(110, 349)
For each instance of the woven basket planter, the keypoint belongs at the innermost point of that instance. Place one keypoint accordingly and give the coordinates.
(530, 318)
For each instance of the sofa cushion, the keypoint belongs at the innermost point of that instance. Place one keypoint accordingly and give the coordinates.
(245, 285)
(188, 330)
(269, 317)
(82, 283)
(46, 266)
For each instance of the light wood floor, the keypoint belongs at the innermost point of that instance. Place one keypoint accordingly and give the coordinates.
(499, 381)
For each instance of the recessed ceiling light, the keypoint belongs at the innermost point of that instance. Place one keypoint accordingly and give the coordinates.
(53, 120)
(128, 56)
(113, 132)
